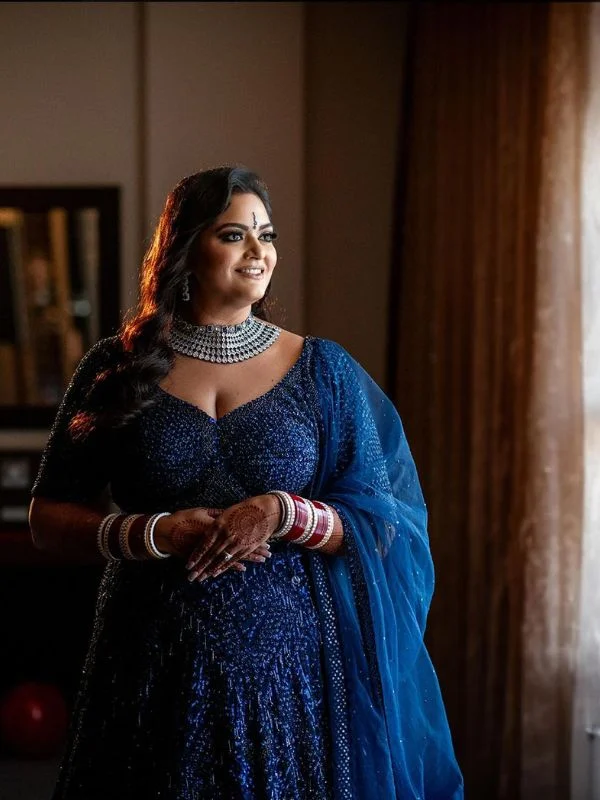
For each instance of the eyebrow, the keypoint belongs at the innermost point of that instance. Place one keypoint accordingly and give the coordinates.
(239, 225)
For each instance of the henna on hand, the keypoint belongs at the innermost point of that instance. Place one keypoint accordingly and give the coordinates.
(246, 528)
(184, 535)
(244, 523)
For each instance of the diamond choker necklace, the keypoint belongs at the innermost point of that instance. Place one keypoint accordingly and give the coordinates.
(223, 344)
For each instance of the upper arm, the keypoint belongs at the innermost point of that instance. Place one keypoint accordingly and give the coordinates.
(76, 471)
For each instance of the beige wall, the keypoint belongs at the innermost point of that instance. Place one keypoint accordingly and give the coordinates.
(142, 94)
(221, 82)
(68, 100)
(353, 74)
(226, 83)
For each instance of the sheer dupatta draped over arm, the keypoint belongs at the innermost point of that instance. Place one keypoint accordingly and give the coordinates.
(398, 741)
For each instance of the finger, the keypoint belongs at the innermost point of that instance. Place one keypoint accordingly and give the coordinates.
(222, 547)
(213, 512)
(201, 549)
(218, 561)
(242, 554)
(254, 557)
(214, 555)
(236, 566)
(213, 570)
(200, 552)
(197, 560)
(220, 570)
(223, 568)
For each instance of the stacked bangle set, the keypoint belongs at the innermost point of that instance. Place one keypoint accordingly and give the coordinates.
(306, 522)
(129, 536)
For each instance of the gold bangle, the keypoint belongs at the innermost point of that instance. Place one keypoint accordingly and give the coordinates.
(102, 537)
(124, 536)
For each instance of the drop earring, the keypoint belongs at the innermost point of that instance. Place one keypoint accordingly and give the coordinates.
(185, 289)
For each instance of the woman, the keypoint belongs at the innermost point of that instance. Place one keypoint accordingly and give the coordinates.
(272, 473)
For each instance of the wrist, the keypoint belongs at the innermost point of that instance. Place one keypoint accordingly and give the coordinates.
(162, 535)
(130, 537)
(274, 512)
(305, 522)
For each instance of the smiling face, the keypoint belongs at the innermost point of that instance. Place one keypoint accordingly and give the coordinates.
(235, 258)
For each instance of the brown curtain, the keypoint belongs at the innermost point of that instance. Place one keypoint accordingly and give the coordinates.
(485, 370)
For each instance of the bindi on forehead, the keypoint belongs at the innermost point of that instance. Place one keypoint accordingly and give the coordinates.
(255, 224)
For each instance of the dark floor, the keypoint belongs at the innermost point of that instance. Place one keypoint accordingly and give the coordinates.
(27, 780)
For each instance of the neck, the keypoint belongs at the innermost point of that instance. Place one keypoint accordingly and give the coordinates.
(199, 315)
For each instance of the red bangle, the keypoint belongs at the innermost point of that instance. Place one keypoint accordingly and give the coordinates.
(323, 518)
(322, 530)
(314, 540)
(321, 526)
(300, 521)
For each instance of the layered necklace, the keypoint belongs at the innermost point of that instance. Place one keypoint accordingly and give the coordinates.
(223, 344)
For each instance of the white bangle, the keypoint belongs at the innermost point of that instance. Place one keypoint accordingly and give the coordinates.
(149, 536)
(288, 514)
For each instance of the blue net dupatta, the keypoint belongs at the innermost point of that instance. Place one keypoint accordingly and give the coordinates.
(390, 732)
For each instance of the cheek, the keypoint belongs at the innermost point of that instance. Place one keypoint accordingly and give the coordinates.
(214, 255)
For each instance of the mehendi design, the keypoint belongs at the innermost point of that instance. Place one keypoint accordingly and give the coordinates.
(185, 534)
(245, 522)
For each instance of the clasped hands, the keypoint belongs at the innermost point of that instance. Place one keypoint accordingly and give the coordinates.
(203, 535)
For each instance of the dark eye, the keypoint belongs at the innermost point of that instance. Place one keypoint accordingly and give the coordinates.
(226, 237)
(268, 236)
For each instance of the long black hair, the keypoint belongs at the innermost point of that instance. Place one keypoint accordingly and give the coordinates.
(128, 386)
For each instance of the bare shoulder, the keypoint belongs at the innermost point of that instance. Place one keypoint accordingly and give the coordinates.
(290, 345)
(291, 338)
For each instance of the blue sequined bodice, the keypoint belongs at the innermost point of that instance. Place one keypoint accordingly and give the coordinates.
(178, 456)
(213, 689)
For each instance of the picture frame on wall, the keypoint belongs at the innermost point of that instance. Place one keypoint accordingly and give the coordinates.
(59, 292)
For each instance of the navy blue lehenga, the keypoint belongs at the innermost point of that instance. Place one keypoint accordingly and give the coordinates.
(270, 683)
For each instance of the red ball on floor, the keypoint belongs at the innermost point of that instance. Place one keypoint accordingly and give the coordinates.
(33, 720)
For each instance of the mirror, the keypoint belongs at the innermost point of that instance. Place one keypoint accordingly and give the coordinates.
(59, 291)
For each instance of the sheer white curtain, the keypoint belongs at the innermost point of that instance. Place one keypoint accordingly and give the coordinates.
(586, 715)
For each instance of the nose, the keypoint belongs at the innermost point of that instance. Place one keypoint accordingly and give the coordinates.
(256, 249)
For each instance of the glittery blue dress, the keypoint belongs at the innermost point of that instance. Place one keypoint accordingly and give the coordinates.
(305, 676)
(211, 689)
